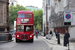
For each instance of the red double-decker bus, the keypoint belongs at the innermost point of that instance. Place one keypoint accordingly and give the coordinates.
(24, 26)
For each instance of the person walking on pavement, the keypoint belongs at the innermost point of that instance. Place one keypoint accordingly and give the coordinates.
(36, 34)
(66, 38)
(56, 33)
(58, 38)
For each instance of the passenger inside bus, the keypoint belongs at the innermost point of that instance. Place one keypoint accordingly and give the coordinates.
(28, 28)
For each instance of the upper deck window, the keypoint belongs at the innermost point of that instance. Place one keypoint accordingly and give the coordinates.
(20, 15)
(28, 15)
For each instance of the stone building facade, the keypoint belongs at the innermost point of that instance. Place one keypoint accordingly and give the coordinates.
(4, 15)
(54, 15)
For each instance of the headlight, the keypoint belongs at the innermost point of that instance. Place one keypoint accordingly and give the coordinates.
(30, 35)
(17, 35)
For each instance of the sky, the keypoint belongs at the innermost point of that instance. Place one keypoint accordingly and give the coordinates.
(37, 3)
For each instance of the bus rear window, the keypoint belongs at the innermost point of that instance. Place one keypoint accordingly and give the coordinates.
(20, 15)
(28, 15)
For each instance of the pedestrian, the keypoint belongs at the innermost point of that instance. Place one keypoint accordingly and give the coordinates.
(51, 33)
(66, 38)
(46, 31)
(36, 34)
(58, 38)
(56, 33)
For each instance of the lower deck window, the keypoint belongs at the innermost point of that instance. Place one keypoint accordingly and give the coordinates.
(29, 28)
(20, 28)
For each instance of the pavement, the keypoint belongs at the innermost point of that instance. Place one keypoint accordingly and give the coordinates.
(52, 43)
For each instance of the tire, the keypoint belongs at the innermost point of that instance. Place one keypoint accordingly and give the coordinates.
(32, 40)
(17, 40)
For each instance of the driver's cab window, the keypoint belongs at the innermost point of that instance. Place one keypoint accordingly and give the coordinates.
(28, 28)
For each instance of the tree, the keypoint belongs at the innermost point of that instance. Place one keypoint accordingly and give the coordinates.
(38, 27)
(38, 15)
(13, 12)
(38, 18)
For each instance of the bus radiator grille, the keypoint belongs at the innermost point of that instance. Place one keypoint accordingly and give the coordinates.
(24, 36)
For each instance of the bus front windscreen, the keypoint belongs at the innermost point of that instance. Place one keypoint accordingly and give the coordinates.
(29, 28)
(20, 28)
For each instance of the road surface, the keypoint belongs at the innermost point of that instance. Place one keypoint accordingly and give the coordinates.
(38, 44)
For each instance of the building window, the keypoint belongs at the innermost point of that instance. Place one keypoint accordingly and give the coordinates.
(48, 2)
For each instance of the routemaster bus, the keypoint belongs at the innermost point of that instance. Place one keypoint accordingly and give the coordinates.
(24, 26)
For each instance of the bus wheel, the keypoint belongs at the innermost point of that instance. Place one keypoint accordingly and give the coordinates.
(32, 40)
(17, 40)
